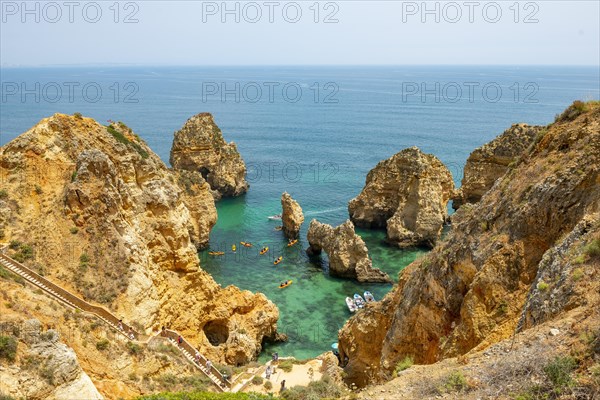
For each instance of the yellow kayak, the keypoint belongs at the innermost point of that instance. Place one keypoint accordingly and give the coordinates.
(264, 250)
(216, 253)
(246, 244)
(278, 260)
(285, 284)
(292, 242)
(233, 248)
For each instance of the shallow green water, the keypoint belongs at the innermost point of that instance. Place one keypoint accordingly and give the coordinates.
(312, 309)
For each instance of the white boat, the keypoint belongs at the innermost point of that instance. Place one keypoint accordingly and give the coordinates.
(369, 298)
(359, 301)
(351, 305)
(275, 217)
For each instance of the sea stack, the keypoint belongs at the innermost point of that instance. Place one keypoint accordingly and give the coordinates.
(347, 252)
(491, 161)
(291, 216)
(199, 146)
(407, 194)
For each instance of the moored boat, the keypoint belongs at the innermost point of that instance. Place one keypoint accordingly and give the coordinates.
(275, 217)
(369, 298)
(359, 301)
(351, 305)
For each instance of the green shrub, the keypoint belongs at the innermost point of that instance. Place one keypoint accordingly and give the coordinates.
(456, 382)
(4, 273)
(78, 115)
(257, 380)
(6, 397)
(406, 363)
(38, 189)
(592, 249)
(8, 347)
(558, 371)
(14, 244)
(102, 344)
(322, 389)
(134, 348)
(47, 372)
(268, 385)
(3, 194)
(74, 230)
(286, 365)
(577, 274)
(542, 286)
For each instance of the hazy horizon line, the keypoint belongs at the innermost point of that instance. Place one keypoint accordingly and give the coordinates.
(17, 66)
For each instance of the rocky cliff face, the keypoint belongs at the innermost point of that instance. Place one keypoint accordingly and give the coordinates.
(105, 218)
(509, 263)
(348, 254)
(46, 367)
(407, 194)
(199, 146)
(291, 216)
(491, 161)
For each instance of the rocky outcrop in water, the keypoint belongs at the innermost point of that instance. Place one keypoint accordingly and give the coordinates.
(199, 146)
(46, 368)
(348, 255)
(407, 194)
(291, 216)
(108, 220)
(491, 161)
(524, 254)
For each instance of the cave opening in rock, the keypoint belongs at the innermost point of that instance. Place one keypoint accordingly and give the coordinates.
(204, 172)
(216, 332)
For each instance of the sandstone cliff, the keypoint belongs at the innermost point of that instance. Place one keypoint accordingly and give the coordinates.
(525, 253)
(199, 146)
(291, 216)
(407, 194)
(491, 161)
(348, 255)
(46, 367)
(99, 213)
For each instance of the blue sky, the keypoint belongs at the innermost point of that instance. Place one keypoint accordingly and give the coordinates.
(299, 33)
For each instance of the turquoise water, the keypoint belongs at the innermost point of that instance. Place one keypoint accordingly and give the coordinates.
(318, 151)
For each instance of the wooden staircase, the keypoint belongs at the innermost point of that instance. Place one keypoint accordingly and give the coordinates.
(70, 300)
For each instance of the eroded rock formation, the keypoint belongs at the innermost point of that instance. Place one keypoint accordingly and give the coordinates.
(199, 146)
(513, 260)
(47, 368)
(407, 194)
(291, 216)
(348, 255)
(491, 161)
(108, 220)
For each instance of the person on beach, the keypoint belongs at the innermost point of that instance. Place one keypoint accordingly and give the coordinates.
(179, 340)
(163, 331)
(208, 365)
(268, 372)
(121, 324)
(282, 386)
(197, 357)
(131, 335)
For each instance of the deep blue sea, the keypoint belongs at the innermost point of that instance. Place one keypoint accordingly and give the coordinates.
(314, 132)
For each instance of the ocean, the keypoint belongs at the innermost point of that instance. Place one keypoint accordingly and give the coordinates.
(314, 132)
